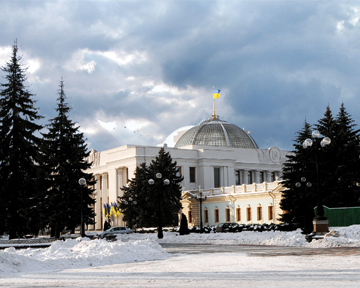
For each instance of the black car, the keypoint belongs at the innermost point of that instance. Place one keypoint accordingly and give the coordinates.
(227, 227)
(112, 232)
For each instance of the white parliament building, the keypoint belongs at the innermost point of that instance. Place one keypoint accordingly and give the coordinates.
(217, 159)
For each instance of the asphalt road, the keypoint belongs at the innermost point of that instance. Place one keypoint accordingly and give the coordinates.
(210, 266)
(252, 250)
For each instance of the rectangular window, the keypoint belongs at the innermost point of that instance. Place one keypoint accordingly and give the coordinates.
(248, 214)
(216, 177)
(250, 178)
(270, 212)
(190, 216)
(262, 179)
(100, 179)
(178, 173)
(206, 216)
(107, 181)
(216, 215)
(273, 176)
(237, 177)
(227, 214)
(259, 213)
(192, 175)
(238, 214)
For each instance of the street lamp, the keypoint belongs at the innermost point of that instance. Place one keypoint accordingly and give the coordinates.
(166, 182)
(303, 180)
(308, 185)
(82, 183)
(201, 198)
(320, 222)
(129, 202)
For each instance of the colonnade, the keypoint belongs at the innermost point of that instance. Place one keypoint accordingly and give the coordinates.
(107, 190)
(245, 176)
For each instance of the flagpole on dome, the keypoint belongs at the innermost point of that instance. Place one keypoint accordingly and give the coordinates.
(215, 95)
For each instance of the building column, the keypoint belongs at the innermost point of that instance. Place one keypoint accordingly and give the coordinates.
(98, 204)
(257, 176)
(246, 176)
(122, 179)
(104, 190)
(242, 177)
(267, 176)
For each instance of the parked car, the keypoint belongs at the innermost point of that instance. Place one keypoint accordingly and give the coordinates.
(112, 232)
(227, 227)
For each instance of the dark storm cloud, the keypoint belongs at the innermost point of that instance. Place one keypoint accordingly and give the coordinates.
(151, 65)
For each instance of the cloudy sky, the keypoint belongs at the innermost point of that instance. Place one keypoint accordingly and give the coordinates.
(134, 71)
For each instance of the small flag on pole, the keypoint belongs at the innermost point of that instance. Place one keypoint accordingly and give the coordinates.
(216, 93)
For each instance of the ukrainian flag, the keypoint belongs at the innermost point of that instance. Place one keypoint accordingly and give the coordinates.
(216, 93)
(112, 211)
(117, 212)
(106, 213)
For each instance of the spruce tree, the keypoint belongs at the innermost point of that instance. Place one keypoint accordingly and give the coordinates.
(347, 162)
(299, 200)
(145, 213)
(332, 170)
(19, 152)
(132, 204)
(326, 158)
(65, 153)
(166, 198)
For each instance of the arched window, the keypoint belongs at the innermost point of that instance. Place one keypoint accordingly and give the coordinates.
(238, 214)
(206, 215)
(227, 214)
(259, 213)
(248, 213)
(271, 212)
(216, 215)
(190, 219)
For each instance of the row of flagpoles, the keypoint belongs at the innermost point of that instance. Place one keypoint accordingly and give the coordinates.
(111, 210)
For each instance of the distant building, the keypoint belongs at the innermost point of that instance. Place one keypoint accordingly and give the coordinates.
(216, 157)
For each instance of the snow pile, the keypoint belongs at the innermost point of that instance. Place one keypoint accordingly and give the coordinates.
(81, 253)
(75, 254)
(348, 237)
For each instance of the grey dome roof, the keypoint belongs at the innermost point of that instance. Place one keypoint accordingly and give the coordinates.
(216, 132)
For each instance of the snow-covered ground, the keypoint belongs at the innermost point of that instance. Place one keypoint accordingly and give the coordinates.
(136, 254)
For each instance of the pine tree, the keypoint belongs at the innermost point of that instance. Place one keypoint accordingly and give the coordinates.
(64, 153)
(19, 152)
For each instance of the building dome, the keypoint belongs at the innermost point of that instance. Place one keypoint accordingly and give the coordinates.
(216, 132)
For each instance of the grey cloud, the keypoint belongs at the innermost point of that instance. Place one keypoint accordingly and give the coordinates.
(276, 62)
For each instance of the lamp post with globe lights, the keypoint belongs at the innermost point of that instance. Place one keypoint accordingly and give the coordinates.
(200, 198)
(129, 202)
(162, 183)
(320, 222)
(82, 183)
(303, 180)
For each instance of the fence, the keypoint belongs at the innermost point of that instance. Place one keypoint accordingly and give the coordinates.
(345, 216)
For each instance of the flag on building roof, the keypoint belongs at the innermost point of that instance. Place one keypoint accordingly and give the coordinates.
(216, 93)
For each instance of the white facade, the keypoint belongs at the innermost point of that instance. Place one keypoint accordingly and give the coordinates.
(206, 167)
(243, 204)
